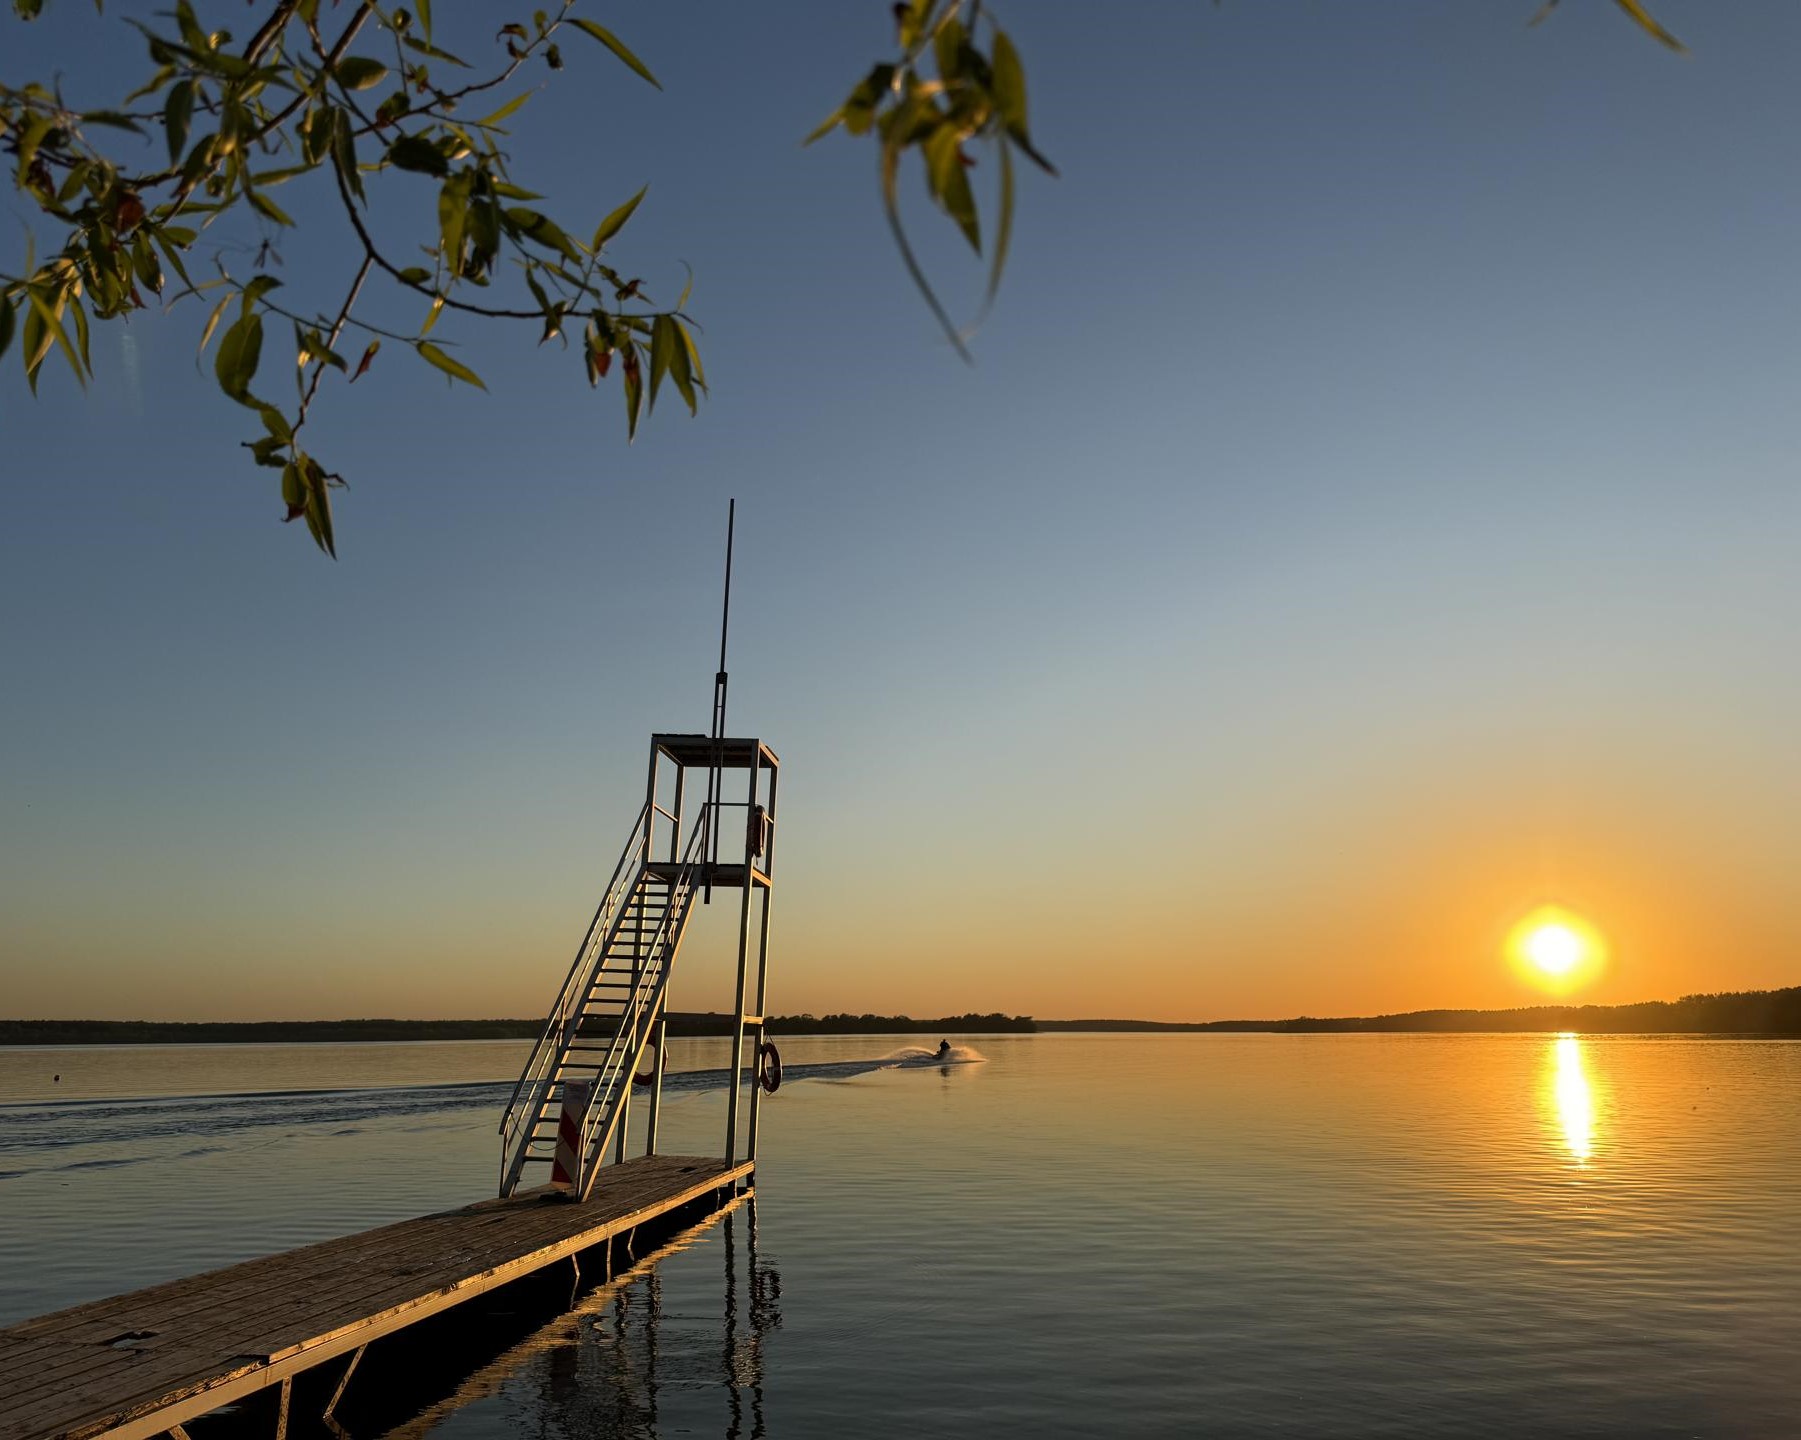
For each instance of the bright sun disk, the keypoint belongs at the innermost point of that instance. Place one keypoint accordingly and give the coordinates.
(1557, 950)
(1554, 948)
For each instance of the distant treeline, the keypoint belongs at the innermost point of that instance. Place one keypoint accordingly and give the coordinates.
(287, 1032)
(1741, 1012)
(843, 1024)
(256, 1032)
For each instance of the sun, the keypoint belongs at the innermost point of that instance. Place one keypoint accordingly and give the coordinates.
(1556, 950)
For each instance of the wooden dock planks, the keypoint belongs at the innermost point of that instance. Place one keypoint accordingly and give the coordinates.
(210, 1339)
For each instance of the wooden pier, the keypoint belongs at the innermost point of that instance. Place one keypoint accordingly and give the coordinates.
(142, 1364)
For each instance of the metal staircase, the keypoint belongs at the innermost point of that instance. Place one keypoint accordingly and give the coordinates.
(604, 1015)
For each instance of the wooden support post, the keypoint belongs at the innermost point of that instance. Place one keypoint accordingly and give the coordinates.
(762, 1027)
(734, 1081)
(625, 1102)
(356, 1359)
(659, 1036)
(281, 1413)
(756, 1090)
(175, 1432)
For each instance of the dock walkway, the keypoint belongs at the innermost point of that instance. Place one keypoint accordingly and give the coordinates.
(139, 1365)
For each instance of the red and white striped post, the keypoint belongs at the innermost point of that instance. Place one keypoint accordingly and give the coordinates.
(566, 1169)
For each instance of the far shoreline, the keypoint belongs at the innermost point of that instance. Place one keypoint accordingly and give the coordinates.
(1747, 1014)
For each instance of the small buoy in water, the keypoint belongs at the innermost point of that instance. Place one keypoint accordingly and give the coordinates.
(56, 1079)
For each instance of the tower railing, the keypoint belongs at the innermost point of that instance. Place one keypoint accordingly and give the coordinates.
(540, 1071)
(639, 1011)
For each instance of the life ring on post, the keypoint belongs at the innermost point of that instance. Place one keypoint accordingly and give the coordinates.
(656, 1059)
(769, 1067)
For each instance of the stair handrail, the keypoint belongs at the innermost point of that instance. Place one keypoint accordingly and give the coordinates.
(540, 1065)
(602, 1113)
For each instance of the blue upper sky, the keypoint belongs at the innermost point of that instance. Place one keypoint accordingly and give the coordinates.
(1371, 512)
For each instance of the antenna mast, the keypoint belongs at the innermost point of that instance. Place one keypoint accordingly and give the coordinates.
(720, 681)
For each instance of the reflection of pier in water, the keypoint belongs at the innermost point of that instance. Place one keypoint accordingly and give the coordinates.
(612, 1362)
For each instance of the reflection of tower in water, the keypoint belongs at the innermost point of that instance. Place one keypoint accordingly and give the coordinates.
(641, 1353)
(618, 1382)
(744, 1347)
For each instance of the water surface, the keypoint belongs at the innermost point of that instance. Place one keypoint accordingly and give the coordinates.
(1219, 1235)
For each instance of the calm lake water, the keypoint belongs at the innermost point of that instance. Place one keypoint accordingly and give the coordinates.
(1195, 1235)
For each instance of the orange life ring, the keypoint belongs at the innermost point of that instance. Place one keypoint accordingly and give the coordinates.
(769, 1067)
(656, 1059)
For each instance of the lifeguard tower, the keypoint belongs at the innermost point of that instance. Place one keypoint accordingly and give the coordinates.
(572, 1105)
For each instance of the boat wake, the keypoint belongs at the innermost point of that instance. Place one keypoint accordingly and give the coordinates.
(38, 1137)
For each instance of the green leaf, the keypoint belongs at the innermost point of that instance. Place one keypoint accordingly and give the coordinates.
(178, 110)
(453, 221)
(912, 19)
(143, 264)
(453, 368)
(678, 365)
(266, 207)
(239, 352)
(663, 345)
(28, 146)
(825, 126)
(632, 383)
(276, 424)
(616, 45)
(318, 503)
(424, 47)
(313, 345)
(700, 374)
(415, 152)
(1643, 16)
(859, 110)
(173, 255)
(1009, 85)
(258, 287)
(511, 107)
(1003, 230)
(950, 183)
(415, 275)
(424, 9)
(947, 46)
(544, 230)
(359, 72)
(212, 322)
(53, 326)
(37, 343)
(615, 222)
(81, 334)
(343, 152)
(8, 322)
(112, 118)
(317, 132)
(280, 176)
(891, 154)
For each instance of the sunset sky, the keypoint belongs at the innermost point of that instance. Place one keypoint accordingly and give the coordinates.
(1372, 515)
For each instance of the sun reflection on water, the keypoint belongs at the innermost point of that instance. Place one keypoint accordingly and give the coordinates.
(1574, 1098)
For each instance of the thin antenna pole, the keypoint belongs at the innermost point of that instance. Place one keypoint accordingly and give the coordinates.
(725, 617)
(720, 682)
